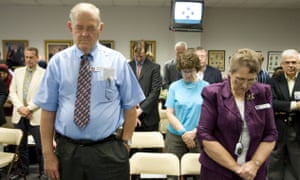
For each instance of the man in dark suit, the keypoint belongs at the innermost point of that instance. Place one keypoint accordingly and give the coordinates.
(285, 159)
(148, 75)
(170, 72)
(207, 73)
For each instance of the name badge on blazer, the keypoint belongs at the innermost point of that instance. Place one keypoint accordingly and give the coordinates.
(263, 106)
(297, 95)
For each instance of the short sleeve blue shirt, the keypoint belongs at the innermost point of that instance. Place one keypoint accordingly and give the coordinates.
(186, 101)
(109, 96)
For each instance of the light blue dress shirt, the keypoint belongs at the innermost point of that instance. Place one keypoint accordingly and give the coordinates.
(109, 97)
(186, 101)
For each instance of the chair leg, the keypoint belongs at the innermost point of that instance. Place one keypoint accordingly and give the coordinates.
(10, 167)
(16, 162)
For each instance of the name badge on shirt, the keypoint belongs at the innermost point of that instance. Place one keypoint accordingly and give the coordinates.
(297, 95)
(263, 106)
(103, 73)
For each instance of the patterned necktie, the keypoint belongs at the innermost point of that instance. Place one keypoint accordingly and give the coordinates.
(83, 94)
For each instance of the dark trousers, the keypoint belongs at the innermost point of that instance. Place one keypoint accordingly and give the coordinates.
(285, 159)
(207, 174)
(175, 145)
(147, 128)
(24, 125)
(107, 160)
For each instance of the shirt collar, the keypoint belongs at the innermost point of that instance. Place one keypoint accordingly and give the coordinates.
(30, 69)
(204, 68)
(293, 78)
(141, 63)
(92, 53)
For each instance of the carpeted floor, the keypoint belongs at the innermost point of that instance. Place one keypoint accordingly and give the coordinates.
(33, 174)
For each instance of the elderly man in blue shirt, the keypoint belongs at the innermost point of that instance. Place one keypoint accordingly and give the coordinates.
(89, 149)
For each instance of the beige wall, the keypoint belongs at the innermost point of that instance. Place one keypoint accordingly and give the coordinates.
(224, 29)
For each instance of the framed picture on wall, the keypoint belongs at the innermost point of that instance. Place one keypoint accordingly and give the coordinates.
(54, 46)
(108, 43)
(216, 58)
(13, 52)
(274, 58)
(150, 49)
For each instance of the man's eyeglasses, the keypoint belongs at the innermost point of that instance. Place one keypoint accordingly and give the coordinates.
(187, 71)
(202, 56)
(89, 29)
(290, 62)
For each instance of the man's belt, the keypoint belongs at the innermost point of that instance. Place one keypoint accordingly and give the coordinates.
(84, 141)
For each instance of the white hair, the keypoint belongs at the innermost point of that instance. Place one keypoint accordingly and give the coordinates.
(181, 44)
(84, 7)
(290, 52)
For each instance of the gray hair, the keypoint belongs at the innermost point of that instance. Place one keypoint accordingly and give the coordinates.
(289, 52)
(84, 7)
(182, 44)
(244, 57)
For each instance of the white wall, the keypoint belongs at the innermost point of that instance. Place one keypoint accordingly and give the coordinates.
(125, 24)
(224, 28)
(37, 24)
(260, 29)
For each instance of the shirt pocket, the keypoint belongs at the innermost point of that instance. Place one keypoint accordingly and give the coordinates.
(105, 90)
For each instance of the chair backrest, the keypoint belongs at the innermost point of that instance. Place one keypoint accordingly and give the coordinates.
(154, 163)
(150, 139)
(10, 136)
(163, 123)
(189, 164)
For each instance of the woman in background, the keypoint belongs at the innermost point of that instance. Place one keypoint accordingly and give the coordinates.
(183, 104)
(237, 131)
(6, 76)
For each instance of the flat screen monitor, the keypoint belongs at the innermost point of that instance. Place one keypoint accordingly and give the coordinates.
(187, 15)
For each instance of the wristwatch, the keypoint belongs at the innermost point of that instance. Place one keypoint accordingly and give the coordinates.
(127, 142)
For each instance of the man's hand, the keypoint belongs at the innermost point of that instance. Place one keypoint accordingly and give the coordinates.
(138, 122)
(25, 112)
(51, 164)
(139, 111)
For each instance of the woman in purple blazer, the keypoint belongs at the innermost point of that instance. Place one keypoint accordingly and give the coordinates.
(237, 131)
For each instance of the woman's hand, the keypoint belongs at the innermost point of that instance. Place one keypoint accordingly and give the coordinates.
(189, 138)
(248, 170)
